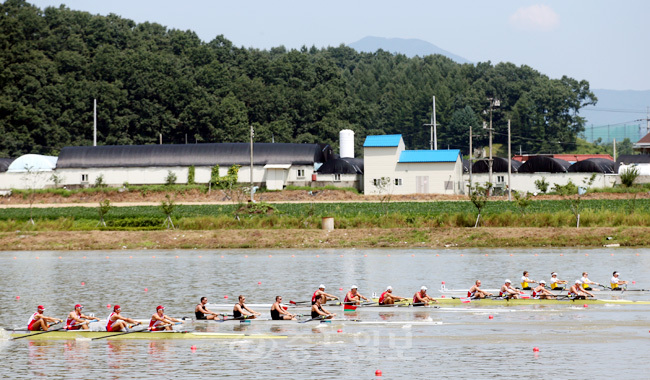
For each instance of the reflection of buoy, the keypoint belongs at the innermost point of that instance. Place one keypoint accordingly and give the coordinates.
(378, 372)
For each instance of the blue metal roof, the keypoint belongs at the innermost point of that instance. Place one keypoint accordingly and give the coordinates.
(429, 155)
(382, 141)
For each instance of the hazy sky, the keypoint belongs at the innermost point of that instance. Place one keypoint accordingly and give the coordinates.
(604, 42)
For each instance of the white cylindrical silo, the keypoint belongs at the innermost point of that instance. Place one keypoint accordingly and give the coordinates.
(346, 141)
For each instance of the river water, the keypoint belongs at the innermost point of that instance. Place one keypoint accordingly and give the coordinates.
(460, 342)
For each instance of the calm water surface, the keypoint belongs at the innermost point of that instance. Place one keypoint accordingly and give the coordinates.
(574, 342)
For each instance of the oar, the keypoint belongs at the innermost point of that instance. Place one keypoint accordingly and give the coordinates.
(42, 332)
(122, 333)
(320, 317)
(299, 302)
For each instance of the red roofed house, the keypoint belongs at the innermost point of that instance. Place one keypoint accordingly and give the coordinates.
(643, 146)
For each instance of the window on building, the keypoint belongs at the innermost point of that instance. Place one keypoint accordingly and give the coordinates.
(84, 178)
(301, 173)
(337, 177)
(398, 182)
(501, 179)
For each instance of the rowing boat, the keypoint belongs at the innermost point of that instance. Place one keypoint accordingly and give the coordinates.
(451, 301)
(317, 321)
(463, 292)
(149, 335)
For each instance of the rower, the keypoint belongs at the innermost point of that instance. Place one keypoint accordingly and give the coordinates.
(476, 292)
(318, 311)
(353, 297)
(39, 322)
(420, 298)
(320, 293)
(616, 283)
(507, 291)
(278, 312)
(541, 292)
(387, 297)
(159, 321)
(240, 310)
(116, 322)
(525, 281)
(556, 283)
(577, 291)
(586, 281)
(77, 320)
(202, 313)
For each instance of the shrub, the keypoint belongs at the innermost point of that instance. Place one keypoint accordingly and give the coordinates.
(628, 176)
(171, 178)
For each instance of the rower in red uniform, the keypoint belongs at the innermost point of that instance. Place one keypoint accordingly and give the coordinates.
(324, 297)
(353, 297)
(77, 320)
(39, 322)
(387, 297)
(115, 322)
(420, 298)
(541, 292)
(578, 292)
(159, 321)
(507, 291)
(475, 292)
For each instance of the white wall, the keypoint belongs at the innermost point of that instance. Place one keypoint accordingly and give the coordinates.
(525, 182)
(17, 180)
(379, 162)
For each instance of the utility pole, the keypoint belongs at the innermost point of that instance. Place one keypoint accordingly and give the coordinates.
(94, 122)
(471, 159)
(252, 191)
(493, 103)
(433, 143)
(509, 165)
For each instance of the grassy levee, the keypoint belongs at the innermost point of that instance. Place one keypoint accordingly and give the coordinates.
(547, 213)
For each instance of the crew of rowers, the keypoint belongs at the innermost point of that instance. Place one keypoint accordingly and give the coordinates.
(159, 321)
(115, 322)
(580, 289)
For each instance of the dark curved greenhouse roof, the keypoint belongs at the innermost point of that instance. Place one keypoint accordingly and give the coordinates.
(499, 165)
(4, 164)
(465, 165)
(543, 164)
(345, 165)
(634, 159)
(223, 154)
(594, 165)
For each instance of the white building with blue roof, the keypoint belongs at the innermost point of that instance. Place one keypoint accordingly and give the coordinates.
(391, 169)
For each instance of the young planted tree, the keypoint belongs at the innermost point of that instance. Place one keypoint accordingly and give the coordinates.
(167, 207)
(32, 178)
(479, 197)
(628, 176)
(104, 208)
(385, 192)
(522, 200)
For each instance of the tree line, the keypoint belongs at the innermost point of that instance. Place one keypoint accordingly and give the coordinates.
(150, 80)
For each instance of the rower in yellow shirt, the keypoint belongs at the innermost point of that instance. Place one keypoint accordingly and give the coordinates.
(616, 283)
(525, 281)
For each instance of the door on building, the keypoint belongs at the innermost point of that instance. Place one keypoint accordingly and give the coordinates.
(422, 184)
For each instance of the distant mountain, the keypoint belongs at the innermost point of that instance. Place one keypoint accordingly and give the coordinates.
(618, 114)
(409, 47)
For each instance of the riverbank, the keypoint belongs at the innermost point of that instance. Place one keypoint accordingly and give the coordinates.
(313, 238)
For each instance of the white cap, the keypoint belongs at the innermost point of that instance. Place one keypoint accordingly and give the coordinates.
(508, 282)
(542, 282)
(615, 273)
(354, 287)
(423, 287)
(321, 286)
(554, 274)
(389, 287)
(578, 282)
